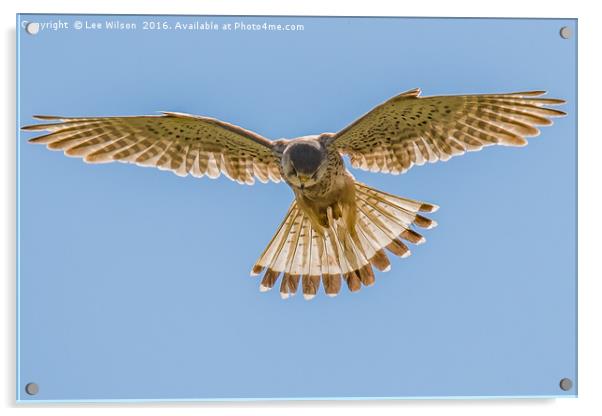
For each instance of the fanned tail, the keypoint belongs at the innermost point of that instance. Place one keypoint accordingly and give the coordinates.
(303, 254)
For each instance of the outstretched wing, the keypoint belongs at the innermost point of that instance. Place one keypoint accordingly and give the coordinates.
(178, 142)
(410, 130)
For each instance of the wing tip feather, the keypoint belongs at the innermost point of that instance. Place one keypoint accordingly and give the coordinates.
(47, 117)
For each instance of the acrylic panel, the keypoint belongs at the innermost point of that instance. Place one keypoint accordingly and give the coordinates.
(133, 284)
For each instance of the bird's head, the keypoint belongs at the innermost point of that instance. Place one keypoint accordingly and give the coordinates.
(304, 162)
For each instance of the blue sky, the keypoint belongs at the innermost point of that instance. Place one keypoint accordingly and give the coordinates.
(134, 282)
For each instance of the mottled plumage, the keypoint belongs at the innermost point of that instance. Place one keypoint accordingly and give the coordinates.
(336, 229)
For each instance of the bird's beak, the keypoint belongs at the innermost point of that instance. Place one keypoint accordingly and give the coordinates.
(303, 179)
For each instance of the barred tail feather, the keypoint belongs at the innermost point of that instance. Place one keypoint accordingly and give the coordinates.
(307, 256)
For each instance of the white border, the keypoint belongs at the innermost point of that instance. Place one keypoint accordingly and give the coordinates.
(590, 276)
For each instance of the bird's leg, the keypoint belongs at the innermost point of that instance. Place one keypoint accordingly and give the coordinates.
(317, 215)
(348, 207)
(337, 211)
(322, 215)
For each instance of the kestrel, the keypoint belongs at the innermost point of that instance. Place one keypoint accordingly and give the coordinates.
(336, 228)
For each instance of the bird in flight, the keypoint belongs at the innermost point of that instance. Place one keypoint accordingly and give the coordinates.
(336, 228)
